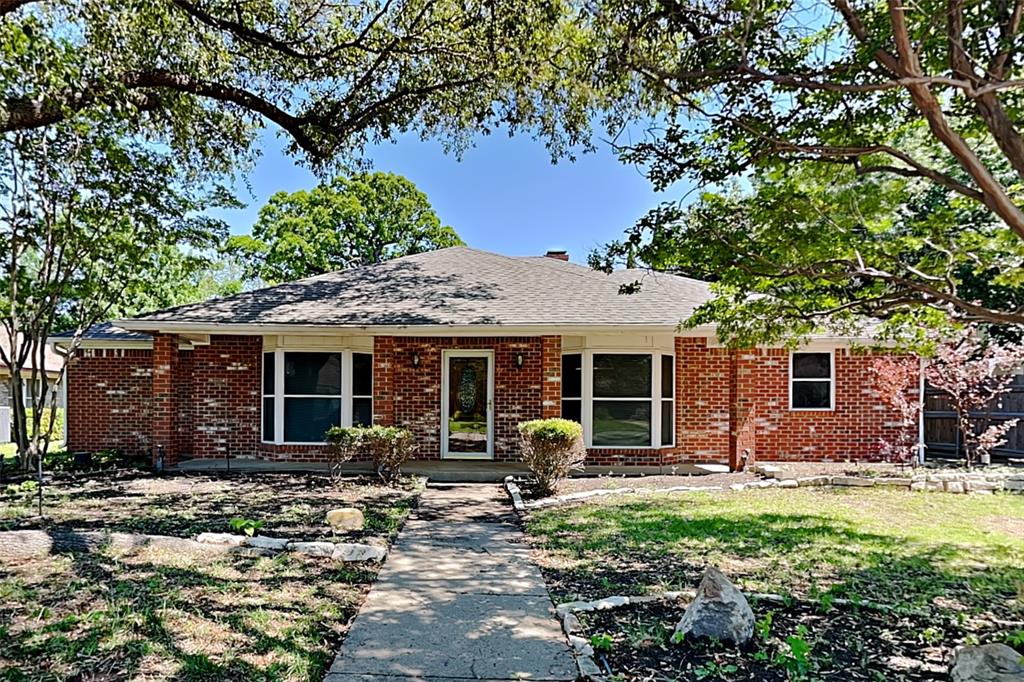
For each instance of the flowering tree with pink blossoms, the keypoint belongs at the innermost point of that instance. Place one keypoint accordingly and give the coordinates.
(975, 372)
(896, 383)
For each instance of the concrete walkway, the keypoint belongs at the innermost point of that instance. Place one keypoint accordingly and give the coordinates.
(457, 599)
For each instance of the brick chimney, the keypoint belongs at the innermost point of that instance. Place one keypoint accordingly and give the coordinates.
(558, 255)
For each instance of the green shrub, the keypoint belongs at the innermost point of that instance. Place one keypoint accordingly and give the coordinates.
(388, 447)
(552, 448)
(345, 443)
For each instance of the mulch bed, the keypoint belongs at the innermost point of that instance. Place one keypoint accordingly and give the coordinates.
(846, 643)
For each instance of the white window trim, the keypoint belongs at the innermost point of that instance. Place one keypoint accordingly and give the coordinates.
(655, 398)
(663, 400)
(279, 394)
(831, 352)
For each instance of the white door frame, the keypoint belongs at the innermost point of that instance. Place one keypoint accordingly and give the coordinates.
(469, 353)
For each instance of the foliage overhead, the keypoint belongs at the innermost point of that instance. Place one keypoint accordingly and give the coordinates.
(889, 101)
(359, 220)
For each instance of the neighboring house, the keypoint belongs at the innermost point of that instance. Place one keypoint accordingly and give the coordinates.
(459, 346)
(54, 363)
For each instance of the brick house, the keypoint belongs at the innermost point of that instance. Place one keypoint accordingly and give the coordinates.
(459, 346)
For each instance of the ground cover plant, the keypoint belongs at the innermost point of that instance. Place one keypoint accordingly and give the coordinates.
(951, 569)
(160, 615)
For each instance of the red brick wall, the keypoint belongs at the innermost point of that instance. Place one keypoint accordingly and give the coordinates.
(206, 402)
(226, 378)
(109, 397)
(411, 396)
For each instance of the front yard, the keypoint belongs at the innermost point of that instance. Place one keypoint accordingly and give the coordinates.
(951, 569)
(159, 615)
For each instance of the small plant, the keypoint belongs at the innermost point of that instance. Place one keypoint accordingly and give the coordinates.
(713, 669)
(552, 448)
(246, 526)
(796, 660)
(763, 626)
(930, 636)
(1014, 638)
(601, 642)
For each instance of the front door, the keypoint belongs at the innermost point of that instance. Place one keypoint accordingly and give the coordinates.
(467, 404)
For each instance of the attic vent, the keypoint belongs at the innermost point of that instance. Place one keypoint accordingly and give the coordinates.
(558, 255)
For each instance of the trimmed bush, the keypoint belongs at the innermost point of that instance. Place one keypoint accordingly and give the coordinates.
(552, 448)
(388, 446)
(345, 443)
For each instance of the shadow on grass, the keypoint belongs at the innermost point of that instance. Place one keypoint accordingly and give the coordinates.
(107, 619)
(630, 547)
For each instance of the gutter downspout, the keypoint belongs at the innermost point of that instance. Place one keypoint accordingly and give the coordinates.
(920, 416)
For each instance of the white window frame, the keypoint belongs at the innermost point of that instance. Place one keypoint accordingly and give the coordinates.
(279, 394)
(672, 400)
(654, 399)
(831, 379)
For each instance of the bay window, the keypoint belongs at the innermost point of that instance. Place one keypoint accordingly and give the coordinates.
(572, 387)
(623, 399)
(305, 393)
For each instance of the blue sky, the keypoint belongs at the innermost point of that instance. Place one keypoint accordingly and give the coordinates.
(504, 195)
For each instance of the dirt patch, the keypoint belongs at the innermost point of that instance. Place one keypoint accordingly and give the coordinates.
(800, 640)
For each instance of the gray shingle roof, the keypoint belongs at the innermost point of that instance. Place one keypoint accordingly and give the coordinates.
(455, 286)
(105, 331)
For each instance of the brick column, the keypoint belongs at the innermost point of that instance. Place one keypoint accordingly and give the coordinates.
(551, 370)
(383, 380)
(165, 360)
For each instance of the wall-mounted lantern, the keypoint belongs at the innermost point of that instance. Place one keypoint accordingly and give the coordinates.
(519, 360)
(415, 359)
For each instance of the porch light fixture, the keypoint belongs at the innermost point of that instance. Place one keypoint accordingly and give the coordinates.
(519, 360)
(415, 359)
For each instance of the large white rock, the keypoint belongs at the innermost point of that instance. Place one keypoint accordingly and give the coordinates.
(987, 663)
(351, 552)
(312, 548)
(345, 519)
(265, 542)
(719, 611)
(221, 539)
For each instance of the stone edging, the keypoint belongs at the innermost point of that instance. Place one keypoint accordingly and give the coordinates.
(949, 482)
(33, 543)
(348, 552)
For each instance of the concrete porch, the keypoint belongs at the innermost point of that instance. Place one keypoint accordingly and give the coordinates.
(445, 471)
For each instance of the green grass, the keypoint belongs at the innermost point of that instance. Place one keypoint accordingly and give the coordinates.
(162, 617)
(157, 615)
(906, 549)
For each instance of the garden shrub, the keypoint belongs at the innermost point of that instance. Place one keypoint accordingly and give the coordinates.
(388, 447)
(345, 443)
(552, 448)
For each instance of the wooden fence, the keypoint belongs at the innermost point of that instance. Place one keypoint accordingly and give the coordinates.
(943, 438)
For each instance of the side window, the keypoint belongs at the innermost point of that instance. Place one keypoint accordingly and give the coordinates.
(812, 376)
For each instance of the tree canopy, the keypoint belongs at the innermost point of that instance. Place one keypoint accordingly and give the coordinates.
(870, 132)
(359, 220)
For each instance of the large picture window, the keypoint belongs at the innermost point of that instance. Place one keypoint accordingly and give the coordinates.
(622, 400)
(305, 393)
(812, 380)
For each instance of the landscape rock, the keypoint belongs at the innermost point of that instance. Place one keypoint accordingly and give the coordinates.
(954, 487)
(987, 663)
(264, 542)
(719, 611)
(813, 481)
(345, 519)
(581, 646)
(222, 539)
(789, 483)
(853, 481)
(351, 552)
(312, 548)
(610, 603)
